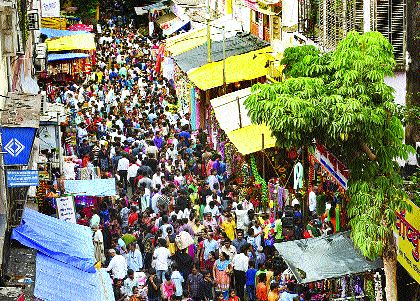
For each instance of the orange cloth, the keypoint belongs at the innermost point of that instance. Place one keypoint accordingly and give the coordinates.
(262, 292)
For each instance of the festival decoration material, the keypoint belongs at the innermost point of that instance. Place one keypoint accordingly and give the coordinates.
(259, 180)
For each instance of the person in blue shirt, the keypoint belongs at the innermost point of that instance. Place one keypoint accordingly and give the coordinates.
(250, 281)
(288, 294)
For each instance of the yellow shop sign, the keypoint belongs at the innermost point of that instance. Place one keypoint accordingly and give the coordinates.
(407, 234)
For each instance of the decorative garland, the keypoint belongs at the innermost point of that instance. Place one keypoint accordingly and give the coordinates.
(259, 180)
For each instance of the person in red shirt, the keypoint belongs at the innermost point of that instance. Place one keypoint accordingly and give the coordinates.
(132, 217)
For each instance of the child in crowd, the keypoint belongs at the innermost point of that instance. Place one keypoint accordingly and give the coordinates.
(273, 294)
(178, 280)
(232, 296)
(167, 287)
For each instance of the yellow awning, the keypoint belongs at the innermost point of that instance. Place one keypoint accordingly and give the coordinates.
(238, 68)
(80, 42)
(248, 140)
(186, 41)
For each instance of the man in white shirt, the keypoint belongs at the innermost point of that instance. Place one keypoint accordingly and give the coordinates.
(117, 265)
(132, 174)
(240, 266)
(161, 257)
(312, 200)
(134, 258)
(68, 169)
(242, 219)
(122, 169)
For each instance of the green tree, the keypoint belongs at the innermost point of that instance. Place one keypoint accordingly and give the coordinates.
(340, 99)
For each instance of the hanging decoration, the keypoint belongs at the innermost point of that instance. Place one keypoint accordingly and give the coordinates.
(259, 180)
(298, 176)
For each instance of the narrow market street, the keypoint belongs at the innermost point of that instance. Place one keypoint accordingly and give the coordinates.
(180, 155)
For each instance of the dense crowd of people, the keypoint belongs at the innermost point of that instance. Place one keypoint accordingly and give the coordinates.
(179, 229)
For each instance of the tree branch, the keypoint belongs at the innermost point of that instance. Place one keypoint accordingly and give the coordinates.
(369, 152)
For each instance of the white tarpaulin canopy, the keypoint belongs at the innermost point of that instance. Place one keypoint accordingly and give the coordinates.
(234, 104)
(327, 257)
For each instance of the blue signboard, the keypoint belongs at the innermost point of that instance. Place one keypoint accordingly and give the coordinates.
(17, 145)
(22, 178)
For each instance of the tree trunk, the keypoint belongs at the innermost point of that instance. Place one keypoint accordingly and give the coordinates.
(413, 84)
(390, 268)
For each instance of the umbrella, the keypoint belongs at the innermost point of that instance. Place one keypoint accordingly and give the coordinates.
(183, 240)
(128, 239)
(80, 27)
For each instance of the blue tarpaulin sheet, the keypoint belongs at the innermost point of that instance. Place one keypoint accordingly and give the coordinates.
(57, 281)
(52, 57)
(56, 33)
(66, 242)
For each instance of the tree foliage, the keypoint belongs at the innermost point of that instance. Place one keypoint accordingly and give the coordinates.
(340, 99)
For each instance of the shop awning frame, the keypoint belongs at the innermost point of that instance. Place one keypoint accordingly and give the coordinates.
(326, 257)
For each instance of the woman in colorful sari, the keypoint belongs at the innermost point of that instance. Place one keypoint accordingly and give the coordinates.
(221, 273)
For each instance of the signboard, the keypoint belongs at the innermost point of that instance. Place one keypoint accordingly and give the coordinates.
(17, 145)
(65, 209)
(96, 187)
(407, 234)
(50, 8)
(22, 178)
(55, 23)
(334, 166)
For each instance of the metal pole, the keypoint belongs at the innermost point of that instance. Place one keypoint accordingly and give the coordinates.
(60, 151)
(263, 157)
(224, 60)
(239, 111)
(208, 33)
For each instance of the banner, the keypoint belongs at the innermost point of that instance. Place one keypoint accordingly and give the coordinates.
(65, 209)
(334, 166)
(22, 178)
(407, 236)
(50, 8)
(17, 145)
(97, 187)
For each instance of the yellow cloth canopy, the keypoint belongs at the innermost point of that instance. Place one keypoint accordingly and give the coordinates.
(248, 140)
(81, 42)
(238, 68)
(246, 136)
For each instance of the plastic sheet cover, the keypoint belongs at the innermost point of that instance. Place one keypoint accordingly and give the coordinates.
(327, 257)
(66, 242)
(57, 281)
